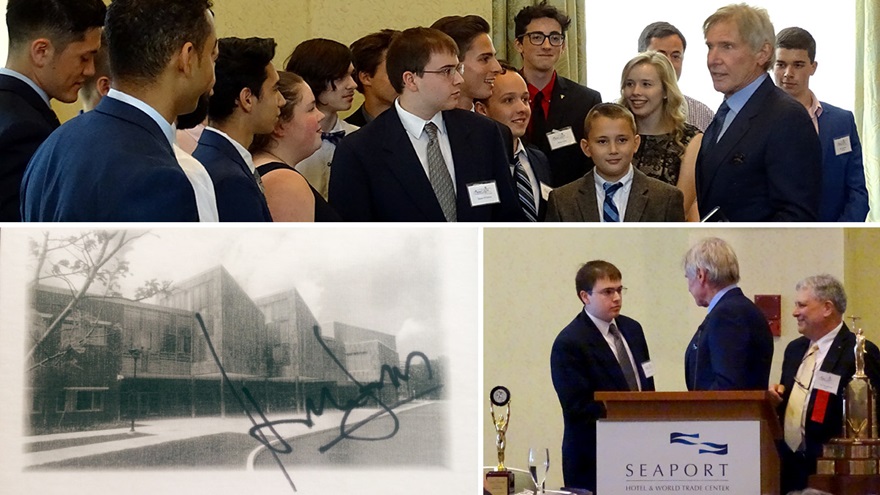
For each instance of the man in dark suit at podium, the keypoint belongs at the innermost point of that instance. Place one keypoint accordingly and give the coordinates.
(599, 350)
(810, 412)
(733, 348)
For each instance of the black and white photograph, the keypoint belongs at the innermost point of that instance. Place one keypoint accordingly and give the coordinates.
(298, 361)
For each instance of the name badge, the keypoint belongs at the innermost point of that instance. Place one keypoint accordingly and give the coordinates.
(560, 138)
(829, 382)
(545, 191)
(483, 193)
(842, 145)
(648, 368)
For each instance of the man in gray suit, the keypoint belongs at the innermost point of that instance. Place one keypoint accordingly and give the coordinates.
(614, 190)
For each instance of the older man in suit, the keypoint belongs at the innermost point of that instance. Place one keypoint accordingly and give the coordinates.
(52, 45)
(812, 414)
(424, 160)
(733, 348)
(760, 159)
(246, 101)
(844, 195)
(116, 163)
(599, 350)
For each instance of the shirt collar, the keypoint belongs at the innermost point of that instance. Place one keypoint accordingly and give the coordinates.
(245, 154)
(167, 128)
(739, 99)
(547, 90)
(624, 181)
(602, 325)
(414, 124)
(25, 79)
(718, 297)
(825, 342)
(520, 148)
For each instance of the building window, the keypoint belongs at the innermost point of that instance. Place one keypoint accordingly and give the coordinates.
(88, 400)
(169, 342)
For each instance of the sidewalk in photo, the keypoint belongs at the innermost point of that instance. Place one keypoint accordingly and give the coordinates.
(157, 431)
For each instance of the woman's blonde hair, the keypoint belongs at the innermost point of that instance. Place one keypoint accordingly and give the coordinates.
(674, 109)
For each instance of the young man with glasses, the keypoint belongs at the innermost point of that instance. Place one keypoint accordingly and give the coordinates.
(423, 160)
(559, 105)
(600, 350)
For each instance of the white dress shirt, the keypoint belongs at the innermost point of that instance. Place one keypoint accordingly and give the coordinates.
(415, 129)
(620, 198)
(604, 328)
(203, 187)
(316, 168)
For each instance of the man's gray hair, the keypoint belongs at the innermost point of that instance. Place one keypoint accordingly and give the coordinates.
(717, 258)
(754, 27)
(825, 288)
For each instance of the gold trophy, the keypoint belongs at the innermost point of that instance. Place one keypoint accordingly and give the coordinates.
(500, 481)
(857, 453)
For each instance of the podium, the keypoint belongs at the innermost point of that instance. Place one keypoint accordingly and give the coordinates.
(710, 442)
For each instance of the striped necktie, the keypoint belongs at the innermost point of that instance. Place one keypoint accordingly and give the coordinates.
(609, 209)
(524, 191)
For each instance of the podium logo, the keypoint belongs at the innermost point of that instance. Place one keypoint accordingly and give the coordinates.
(693, 439)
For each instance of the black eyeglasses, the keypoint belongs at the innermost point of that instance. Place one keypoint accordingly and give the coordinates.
(447, 71)
(537, 38)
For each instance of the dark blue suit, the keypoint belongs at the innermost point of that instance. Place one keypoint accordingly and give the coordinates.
(377, 175)
(239, 198)
(767, 165)
(541, 169)
(112, 164)
(732, 349)
(840, 360)
(25, 122)
(582, 363)
(844, 196)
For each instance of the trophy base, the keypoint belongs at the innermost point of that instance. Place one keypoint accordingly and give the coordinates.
(849, 456)
(499, 482)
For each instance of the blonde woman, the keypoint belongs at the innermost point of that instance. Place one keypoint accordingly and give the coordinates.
(669, 146)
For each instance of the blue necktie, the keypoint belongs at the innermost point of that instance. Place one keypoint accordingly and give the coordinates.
(609, 210)
(333, 137)
(717, 124)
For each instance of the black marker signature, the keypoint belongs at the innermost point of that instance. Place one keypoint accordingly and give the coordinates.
(367, 392)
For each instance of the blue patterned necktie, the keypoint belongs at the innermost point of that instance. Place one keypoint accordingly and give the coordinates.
(524, 191)
(333, 137)
(609, 209)
(717, 124)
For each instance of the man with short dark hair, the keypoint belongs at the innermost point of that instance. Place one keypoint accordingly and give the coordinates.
(559, 105)
(368, 57)
(600, 350)
(760, 159)
(477, 54)
(96, 86)
(812, 414)
(246, 101)
(844, 195)
(116, 163)
(51, 48)
(424, 160)
(665, 38)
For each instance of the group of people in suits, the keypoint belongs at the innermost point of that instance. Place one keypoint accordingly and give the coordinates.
(732, 349)
(762, 160)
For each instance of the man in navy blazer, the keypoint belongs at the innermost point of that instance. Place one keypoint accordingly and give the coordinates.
(733, 348)
(600, 350)
(509, 106)
(819, 307)
(52, 45)
(844, 195)
(559, 105)
(117, 163)
(760, 159)
(384, 171)
(246, 101)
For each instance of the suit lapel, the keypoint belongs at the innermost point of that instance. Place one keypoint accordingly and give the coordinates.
(638, 197)
(587, 201)
(558, 108)
(836, 351)
(33, 99)
(223, 146)
(716, 155)
(602, 353)
(401, 158)
(462, 154)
